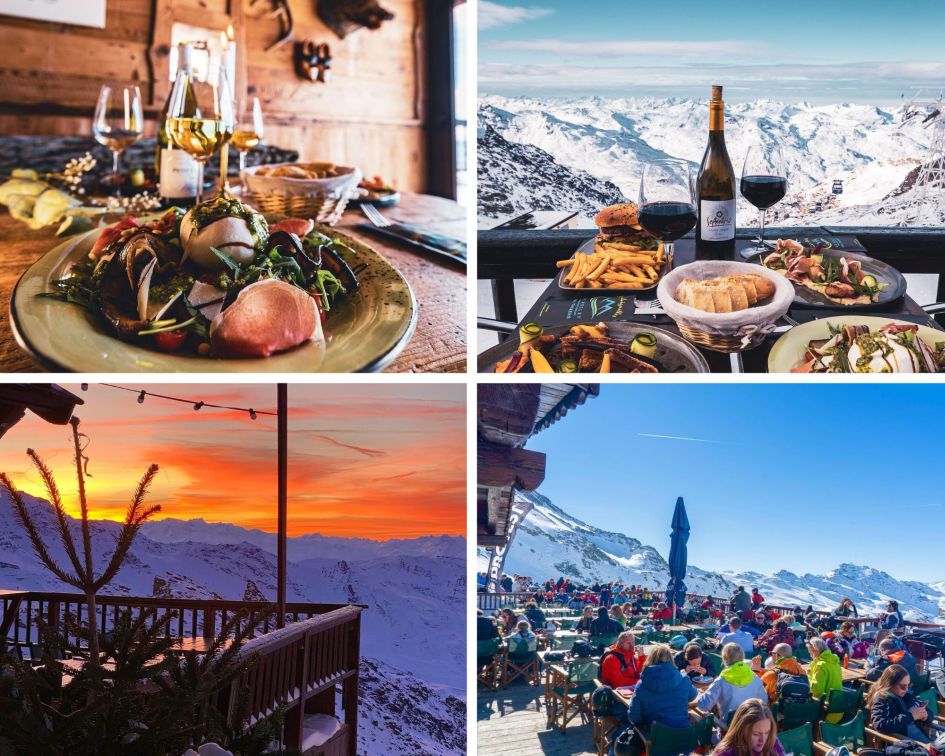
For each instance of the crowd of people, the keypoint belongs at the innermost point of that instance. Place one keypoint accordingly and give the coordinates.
(674, 678)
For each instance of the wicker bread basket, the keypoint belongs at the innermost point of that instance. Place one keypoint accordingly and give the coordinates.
(323, 200)
(728, 331)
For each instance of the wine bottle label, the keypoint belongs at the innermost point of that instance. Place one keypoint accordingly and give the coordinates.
(717, 220)
(178, 175)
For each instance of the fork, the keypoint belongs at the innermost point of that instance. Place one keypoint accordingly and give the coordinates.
(374, 215)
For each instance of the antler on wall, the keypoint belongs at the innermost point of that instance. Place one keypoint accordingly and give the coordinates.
(346, 16)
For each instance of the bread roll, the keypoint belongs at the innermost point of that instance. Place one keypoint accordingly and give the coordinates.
(624, 214)
(724, 294)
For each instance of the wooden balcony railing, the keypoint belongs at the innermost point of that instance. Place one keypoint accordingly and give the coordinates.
(189, 618)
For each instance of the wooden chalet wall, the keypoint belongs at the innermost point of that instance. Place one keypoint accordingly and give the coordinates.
(370, 114)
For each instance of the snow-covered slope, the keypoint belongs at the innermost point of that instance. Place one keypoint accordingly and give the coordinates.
(518, 177)
(551, 543)
(865, 147)
(413, 640)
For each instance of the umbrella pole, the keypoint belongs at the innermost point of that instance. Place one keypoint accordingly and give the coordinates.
(283, 456)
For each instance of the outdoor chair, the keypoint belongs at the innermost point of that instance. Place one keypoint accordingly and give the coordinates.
(799, 741)
(921, 683)
(669, 741)
(793, 714)
(935, 709)
(562, 644)
(571, 696)
(606, 729)
(521, 660)
(602, 641)
(716, 659)
(802, 654)
(851, 735)
(489, 662)
(845, 702)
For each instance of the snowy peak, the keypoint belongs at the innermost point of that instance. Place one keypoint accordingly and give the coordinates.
(550, 542)
(868, 148)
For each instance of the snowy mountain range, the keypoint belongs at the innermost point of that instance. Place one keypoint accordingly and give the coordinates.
(868, 149)
(551, 543)
(413, 634)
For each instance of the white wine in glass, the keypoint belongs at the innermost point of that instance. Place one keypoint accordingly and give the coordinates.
(203, 130)
(118, 123)
(249, 129)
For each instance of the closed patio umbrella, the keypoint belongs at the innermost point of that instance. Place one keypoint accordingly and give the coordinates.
(676, 589)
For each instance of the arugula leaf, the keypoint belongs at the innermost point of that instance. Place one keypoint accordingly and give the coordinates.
(230, 263)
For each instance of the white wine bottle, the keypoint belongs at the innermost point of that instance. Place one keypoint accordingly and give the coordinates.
(176, 171)
(715, 232)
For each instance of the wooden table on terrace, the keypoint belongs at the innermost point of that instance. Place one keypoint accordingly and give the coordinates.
(504, 256)
(438, 344)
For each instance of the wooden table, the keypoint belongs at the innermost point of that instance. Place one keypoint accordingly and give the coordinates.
(438, 344)
(849, 675)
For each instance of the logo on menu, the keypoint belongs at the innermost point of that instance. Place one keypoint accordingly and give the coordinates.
(720, 219)
(602, 305)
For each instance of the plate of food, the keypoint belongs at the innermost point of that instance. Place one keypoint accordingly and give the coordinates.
(377, 191)
(622, 257)
(215, 289)
(859, 344)
(823, 278)
(619, 347)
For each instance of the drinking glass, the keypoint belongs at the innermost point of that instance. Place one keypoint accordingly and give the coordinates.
(202, 130)
(667, 207)
(118, 122)
(763, 184)
(248, 131)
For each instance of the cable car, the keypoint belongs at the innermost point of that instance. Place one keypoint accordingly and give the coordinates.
(837, 187)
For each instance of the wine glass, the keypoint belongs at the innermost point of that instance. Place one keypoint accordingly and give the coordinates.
(200, 119)
(667, 207)
(118, 122)
(248, 131)
(763, 184)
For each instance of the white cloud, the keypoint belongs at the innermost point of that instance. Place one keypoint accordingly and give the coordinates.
(633, 47)
(492, 15)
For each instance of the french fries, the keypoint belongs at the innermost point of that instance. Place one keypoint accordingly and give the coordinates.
(635, 268)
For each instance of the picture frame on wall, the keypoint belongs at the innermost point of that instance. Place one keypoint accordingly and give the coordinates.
(86, 13)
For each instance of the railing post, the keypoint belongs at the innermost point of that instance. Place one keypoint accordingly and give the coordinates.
(209, 621)
(350, 686)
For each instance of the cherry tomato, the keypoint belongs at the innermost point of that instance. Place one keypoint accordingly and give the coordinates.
(170, 341)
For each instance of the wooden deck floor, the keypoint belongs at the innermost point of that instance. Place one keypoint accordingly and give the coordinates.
(514, 722)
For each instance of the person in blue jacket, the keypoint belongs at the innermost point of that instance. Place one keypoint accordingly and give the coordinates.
(892, 619)
(894, 709)
(663, 693)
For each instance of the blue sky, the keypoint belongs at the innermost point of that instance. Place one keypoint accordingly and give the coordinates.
(815, 50)
(775, 476)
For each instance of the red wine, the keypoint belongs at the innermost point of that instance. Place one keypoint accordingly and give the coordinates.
(667, 221)
(715, 233)
(763, 191)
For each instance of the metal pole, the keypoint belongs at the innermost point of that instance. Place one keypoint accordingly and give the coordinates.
(283, 488)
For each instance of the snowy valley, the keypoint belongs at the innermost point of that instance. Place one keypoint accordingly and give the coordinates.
(570, 154)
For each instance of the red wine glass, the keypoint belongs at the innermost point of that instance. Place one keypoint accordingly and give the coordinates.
(763, 184)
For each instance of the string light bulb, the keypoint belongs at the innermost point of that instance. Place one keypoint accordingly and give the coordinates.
(252, 414)
(84, 386)
(197, 406)
(141, 397)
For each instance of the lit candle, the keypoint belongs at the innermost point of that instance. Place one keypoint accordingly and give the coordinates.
(229, 58)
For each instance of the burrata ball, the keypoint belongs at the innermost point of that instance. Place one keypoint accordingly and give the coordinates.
(230, 234)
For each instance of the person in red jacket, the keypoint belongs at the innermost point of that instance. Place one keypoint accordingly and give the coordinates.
(620, 665)
(662, 612)
(756, 598)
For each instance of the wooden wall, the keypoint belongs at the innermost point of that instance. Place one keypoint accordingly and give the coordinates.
(370, 114)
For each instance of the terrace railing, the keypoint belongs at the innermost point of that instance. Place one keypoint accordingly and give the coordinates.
(495, 601)
(189, 618)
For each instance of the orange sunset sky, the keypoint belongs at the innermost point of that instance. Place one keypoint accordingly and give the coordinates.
(370, 461)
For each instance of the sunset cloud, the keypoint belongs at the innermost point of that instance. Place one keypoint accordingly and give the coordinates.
(378, 462)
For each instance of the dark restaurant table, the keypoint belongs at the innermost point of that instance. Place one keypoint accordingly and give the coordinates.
(438, 344)
(506, 256)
